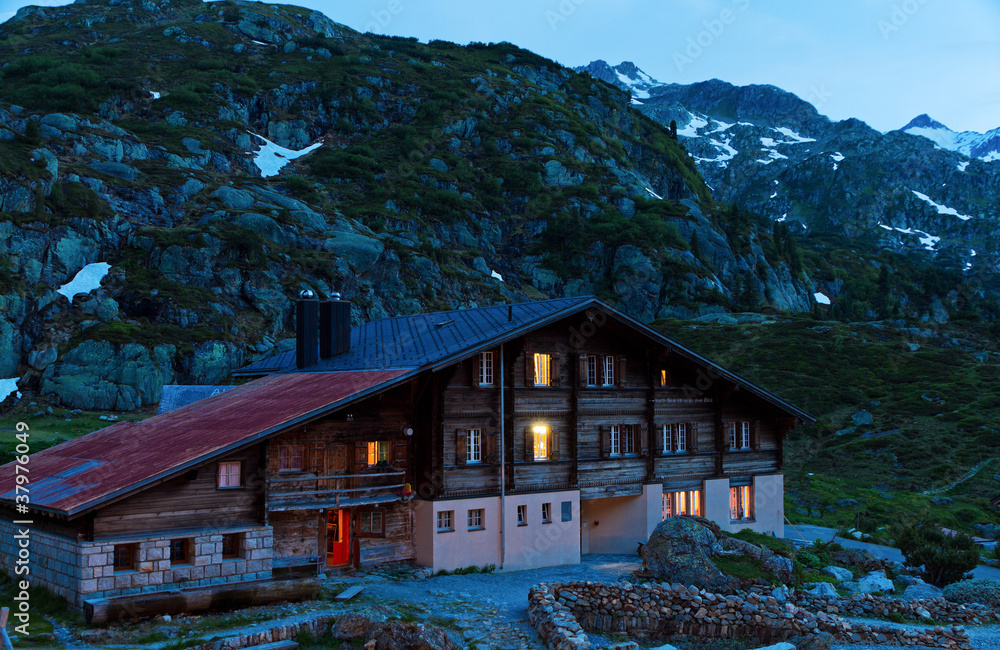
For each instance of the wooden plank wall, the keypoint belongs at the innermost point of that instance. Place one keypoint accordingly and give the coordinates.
(190, 502)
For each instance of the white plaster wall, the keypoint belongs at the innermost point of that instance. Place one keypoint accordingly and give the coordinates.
(539, 545)
(769, 506)
(461, 547)
(618, 524)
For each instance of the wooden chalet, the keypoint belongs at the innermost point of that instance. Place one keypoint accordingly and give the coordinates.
(520, 436)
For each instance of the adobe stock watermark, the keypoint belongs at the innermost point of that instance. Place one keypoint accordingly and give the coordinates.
(900, 15)
(22, 530)
(706, 38)
(382, 17)
(562, 12)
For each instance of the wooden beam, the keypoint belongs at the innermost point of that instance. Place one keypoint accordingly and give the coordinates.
(216, 598)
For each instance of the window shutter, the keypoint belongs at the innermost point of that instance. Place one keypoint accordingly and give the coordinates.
(582, 376)
(554, 367)
(755, 435)
(529, 366)
(474, 369)
(660, 450)
(553, 444)
(316, 454)
(399, 456)
(621, 372)
(529, 445)
(490, 443)
(605, 442)
(461, 446)
(361, 454)
(643, 439)
(692, 437)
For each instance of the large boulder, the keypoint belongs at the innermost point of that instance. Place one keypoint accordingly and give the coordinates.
(922, 592)
(875, 581)
(839, 573)
(679, 550)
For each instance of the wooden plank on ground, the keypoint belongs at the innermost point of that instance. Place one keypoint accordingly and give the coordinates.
(350, 592)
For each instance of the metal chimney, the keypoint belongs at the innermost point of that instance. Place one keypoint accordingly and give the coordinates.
(306, 330)
(334, 327)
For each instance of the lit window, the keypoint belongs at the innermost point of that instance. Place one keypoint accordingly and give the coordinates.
(476, 519)
(378, 452)
(230, 546)
(591, 370)
(541, 439)
(542, 369)
(445, 521)
(474, 446)
(616, 440)
(179, 551)
(741, 503)
(628, 439)
(124, 557)
(522, 515)
(370, 523)
(290, 458)
(546, 513)
(486, 369)
(609, 371)
(682, 503)
(230, 474)
(663, 378)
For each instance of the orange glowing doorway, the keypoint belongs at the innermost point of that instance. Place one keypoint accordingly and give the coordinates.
(338, 536)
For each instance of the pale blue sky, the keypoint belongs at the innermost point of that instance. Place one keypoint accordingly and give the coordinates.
(883, 61)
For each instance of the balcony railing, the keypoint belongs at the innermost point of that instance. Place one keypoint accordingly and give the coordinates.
(335, 490)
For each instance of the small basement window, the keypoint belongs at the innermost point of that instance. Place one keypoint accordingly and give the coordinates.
(124, 557)
(231, 546)
(179, 552)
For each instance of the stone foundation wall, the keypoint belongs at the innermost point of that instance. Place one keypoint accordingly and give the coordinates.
(53, 560)
(561, 612)
(155, 572)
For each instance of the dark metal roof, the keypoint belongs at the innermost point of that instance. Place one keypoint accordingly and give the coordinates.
(174, 396)
(426, 339)
(80, 474)
(435, 340)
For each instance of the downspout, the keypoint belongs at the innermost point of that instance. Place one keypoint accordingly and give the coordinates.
(503, 463)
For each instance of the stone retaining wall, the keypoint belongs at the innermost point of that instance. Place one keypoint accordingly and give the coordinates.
(866, 605)
(53, 560)
(317, 626)
(561, 612)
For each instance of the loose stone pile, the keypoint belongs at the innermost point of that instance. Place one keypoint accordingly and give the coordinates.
(867, 605)
(561, 612)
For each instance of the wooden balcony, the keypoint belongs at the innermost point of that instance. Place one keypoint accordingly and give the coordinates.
(335, 491)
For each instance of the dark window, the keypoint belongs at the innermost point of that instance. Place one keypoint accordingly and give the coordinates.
(124, 557)
(370, 523)
(230, 546)
(178, 551)
(567, 511)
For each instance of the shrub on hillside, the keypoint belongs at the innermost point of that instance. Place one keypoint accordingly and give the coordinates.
(945, 558)
(985, 591)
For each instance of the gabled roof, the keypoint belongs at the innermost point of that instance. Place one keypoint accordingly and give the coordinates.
(81, 474)
(432, 341)
(428, 339)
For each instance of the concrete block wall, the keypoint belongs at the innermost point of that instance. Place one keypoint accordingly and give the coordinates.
(53, 560)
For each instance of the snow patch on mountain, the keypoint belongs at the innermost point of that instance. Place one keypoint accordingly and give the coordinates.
(690, 130)
(942, 209)
(270, 158)
(727, 154)
(970, 143)
(795, 137)
(8, 386)
(86, 280)
(821, 298)
(927, 240)
(963, 165)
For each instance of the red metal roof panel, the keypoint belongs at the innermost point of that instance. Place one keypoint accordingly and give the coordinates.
(88, 470)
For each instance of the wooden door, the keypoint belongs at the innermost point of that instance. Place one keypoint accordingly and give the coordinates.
(338, 537)
(336, 463)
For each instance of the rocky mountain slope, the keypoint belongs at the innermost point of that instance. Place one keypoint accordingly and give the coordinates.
(984, 146)
(766, 149)
(221, 157)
